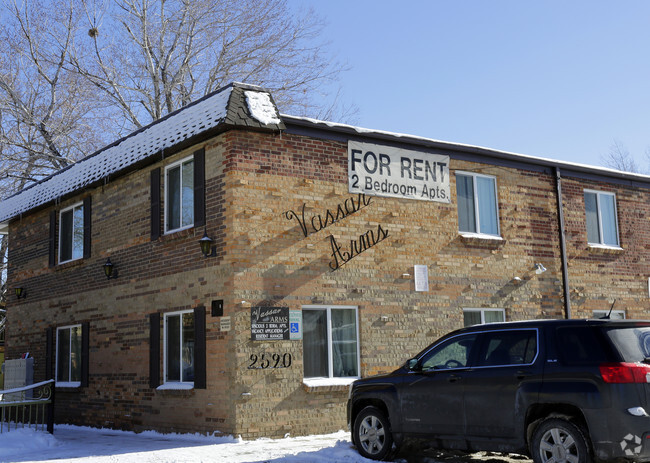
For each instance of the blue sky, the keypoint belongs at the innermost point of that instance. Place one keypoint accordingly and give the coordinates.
(556, 79)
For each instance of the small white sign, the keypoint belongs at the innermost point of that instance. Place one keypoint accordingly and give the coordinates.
(380, 170)
(224, 324)
(295, 325)
(421, 278)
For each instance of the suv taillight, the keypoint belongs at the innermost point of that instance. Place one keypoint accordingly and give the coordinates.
(624, 372)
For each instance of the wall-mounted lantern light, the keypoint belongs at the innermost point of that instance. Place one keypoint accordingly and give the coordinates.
(20, 293)
(206, 246)
(109, 269)
(539, 268)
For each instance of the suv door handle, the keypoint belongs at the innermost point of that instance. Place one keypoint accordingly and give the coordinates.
(454, 378)
(521, 374)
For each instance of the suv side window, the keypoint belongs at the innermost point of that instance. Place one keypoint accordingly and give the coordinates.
(581, 346)
(453, 353)
(503, 348)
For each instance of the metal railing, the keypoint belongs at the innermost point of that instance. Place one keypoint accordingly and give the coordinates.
(30, 406)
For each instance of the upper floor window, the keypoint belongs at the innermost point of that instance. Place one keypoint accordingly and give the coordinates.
(71, 233)
(602, 226)
(478, 210)
(179, 195)
(68, 356)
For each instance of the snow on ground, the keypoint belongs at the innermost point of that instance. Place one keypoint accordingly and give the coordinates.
(84, 445)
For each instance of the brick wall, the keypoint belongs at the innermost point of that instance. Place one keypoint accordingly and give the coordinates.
(263, 258)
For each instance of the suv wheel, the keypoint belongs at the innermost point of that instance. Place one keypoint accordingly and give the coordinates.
(559, 441)
(371, 433)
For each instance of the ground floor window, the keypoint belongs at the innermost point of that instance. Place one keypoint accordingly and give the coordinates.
(482, 316)
(330, 342)
(614, 315)
(68, 356)
(179, 347)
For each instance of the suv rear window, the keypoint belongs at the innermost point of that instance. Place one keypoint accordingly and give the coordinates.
(633, 343)
(581, 346)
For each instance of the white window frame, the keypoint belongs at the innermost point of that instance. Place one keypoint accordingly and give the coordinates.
(175, 384)
(600, 219)
(72, 208)
(331, 380)
(483, 312)
(166, 196)
(477, 219)
(68, 383)
(602, 313)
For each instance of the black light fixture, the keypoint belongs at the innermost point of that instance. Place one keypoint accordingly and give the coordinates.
(109, 269)
(206, 246)
(20, 293)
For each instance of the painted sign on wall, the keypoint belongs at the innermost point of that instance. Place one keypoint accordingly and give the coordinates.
(398, 173)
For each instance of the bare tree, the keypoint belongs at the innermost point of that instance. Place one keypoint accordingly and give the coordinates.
(618, 157)
(76, 74)
(46, 112)
(151, 57)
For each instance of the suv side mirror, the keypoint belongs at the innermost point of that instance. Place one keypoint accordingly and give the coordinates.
(412, 364)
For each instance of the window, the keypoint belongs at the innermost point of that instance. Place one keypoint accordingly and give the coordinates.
(330, 345)
(179, 347)
(602, 227)
(482, 316)
(71, 233)
(453, 353)
(477, 204)
(615, 315)
(68, 356)
(503, 348)
(179, 195)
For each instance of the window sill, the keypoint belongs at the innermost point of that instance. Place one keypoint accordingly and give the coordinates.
(69, 264)
(604, 248)
(69, 385)
(178, 230)
(175, 387)
(480, 238)
(327, 384)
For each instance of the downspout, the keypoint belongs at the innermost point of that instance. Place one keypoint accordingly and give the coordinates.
(565, 267)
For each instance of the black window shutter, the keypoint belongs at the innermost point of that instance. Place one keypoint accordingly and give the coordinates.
(85, 351)
(199, 348)
(52, 240)
(49, 335)
(155, 204)
(154, 350)
(87, 225)
(199, 188)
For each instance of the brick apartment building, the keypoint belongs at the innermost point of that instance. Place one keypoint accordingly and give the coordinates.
(336, 252)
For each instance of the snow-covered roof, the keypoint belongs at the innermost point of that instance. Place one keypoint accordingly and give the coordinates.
(347, 129)
(237, 105)
(225, 107)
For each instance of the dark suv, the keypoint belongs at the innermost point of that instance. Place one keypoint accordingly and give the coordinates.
(557, 390)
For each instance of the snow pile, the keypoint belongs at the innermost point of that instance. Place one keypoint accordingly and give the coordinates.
(89, 445)
(261, 107)
(165, 133)
(18, 441)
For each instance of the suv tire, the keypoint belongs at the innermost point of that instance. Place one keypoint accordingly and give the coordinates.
(557, 440)
(371, 434)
